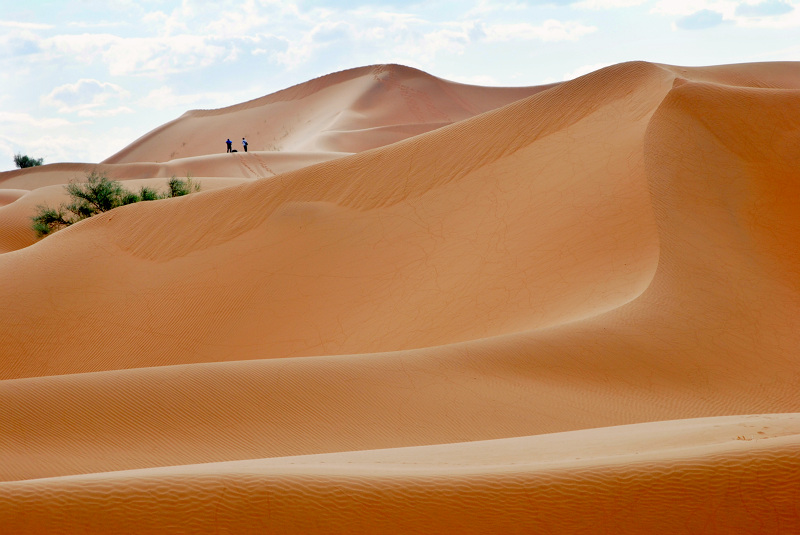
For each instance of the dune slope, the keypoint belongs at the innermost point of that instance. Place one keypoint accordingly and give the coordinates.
(318, 121)
(574, 312)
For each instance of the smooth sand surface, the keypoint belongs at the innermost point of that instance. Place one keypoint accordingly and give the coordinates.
(421, 307)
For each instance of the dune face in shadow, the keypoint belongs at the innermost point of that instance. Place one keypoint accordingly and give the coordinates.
(419, 306)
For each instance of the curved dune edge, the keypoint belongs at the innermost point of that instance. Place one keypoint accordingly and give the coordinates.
(8, 196)
(15, 218)
(548, 316)
(413, 265)
(488, 389)
(247, 166)
(711, 475)
(299, 118)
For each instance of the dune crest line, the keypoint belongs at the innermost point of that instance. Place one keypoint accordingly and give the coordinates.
(420, 306)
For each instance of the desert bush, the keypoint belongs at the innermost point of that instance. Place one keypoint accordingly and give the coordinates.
(148, 194)
(48, 220)
(178, 187)
(130, 197)
(22, 161)
(98, 194)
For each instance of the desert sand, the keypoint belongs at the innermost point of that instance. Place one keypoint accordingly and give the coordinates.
(417, 306)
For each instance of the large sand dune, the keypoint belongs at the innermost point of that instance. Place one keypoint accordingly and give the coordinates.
(421, 307)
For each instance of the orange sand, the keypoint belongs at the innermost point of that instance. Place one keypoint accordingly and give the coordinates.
(421, 307)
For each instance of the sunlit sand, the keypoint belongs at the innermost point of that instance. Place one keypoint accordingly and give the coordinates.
(417, 306)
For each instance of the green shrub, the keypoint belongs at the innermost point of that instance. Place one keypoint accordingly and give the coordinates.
(49, 220)
(100, 194)
(178, 187)
(148, 194)
(22, 161)
(129, 198)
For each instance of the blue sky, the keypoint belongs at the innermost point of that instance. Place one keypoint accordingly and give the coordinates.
(80, 79)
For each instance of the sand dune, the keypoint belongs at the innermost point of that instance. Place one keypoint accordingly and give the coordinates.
(418, 306)
(349, 111)
(654, 478)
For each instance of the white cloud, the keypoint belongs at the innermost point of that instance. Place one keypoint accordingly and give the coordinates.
(700, 20)
(26, 120)
(238, 22)
(86, 97)
(608, 4)
(486, 7)
(688, 7)
(19, 42)
(764, 8)
(294, 51)
(768, 14)
(549, 30)
(72, 148)
(139, 55)
(98, 24)
(62, 146)
(165, 97)
(161, 55)
(111, 112)
(747, 14)
(84, 47)
(24, 25)
(424, 46)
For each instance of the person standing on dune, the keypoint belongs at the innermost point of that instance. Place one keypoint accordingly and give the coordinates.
(229, 143)
(244, 144)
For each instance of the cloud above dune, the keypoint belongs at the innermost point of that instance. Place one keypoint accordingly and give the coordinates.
(738, 11)
(704, 14)
(764, 9)
(24, 25)
(7, 119)
(769, 14)
(166, 97)
(488, 5)
(139, 55)
(549, 30)
(87, 98)
(608, 4)
(195, 34)
(700, 20)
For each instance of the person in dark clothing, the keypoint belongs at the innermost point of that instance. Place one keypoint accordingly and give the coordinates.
(244, 144)
(229, 143)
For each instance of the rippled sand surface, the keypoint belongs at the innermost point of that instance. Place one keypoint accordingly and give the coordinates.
(416, 306)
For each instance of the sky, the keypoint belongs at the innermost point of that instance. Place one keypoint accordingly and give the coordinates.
(81, 79)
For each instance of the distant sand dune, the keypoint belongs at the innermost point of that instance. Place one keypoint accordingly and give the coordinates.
(299, 118)
(420, 306)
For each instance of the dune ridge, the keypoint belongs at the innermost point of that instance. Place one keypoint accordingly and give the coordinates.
(564, 309)
(472, 487)
(301, 117)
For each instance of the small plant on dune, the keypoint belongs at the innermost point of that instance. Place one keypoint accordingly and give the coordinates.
(48, 220)
(97, 194)
(148, 194)
(178, 187)
(22, 161)
(100, 194)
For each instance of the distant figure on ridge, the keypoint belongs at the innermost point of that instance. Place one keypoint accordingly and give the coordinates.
(244, 144)
(230, 144)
